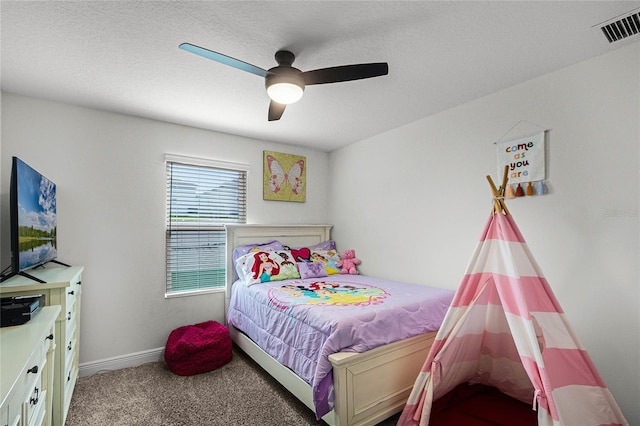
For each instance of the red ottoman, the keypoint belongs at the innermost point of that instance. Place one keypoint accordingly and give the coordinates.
(198, 348)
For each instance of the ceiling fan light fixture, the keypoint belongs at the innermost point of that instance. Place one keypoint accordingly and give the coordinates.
(285, 93)
(284, 83)
(285, 86)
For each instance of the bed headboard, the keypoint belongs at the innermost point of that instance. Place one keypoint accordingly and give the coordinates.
(290, 235)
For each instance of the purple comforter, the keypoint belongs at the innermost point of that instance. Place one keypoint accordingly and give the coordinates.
(301, 322)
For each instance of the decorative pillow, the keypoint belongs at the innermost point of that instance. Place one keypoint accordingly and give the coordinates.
(328, 258)
(302, 254)
(263, 266)
(288, 267)
(311, 270)
(325, 245)
(240, 251)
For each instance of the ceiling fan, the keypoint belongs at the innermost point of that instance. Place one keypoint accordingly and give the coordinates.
(285, 84)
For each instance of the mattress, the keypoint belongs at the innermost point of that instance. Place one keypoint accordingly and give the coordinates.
(301, 322)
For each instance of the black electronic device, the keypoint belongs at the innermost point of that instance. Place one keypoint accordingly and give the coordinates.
(18, 310)
(34, 229)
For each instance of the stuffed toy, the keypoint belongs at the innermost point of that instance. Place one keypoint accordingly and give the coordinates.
(348, 262)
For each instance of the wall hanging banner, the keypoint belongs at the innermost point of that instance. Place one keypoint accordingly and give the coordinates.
(525, 158)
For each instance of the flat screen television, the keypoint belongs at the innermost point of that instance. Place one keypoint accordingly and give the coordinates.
(33, 218)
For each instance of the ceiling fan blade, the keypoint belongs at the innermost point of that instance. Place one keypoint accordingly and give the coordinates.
(276, 110)
(345, 73)
(223, 59)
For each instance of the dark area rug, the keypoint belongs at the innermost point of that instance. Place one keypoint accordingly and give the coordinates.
(479, 405)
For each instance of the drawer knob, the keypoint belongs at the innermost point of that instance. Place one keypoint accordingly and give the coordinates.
(49, 337)
(36, 397)
(71, 293)
(68, 315)
(79, 282)
(69, 347)
(33, 369)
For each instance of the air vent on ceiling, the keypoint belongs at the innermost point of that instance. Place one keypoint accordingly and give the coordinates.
(621, 27)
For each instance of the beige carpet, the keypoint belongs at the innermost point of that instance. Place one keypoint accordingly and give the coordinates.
(239, 393)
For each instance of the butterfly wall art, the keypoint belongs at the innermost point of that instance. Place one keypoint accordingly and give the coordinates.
(285, 177)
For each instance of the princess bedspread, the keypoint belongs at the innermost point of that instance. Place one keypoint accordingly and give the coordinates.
(301, 322)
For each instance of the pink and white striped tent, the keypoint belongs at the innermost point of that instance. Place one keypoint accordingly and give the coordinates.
(506, 329)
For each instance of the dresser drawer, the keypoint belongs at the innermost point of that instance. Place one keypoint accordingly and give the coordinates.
(71, 322)
(70, 353)
(69, 386)
(33, 406)
(33, 368)
(4, 415)
(71, 294)
(13, 410)
(39, 416)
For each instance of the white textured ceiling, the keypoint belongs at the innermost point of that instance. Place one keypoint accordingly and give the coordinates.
(123, 56)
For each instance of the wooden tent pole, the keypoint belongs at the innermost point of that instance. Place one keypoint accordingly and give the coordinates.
(499, 205)
(496, 204)
(505, 178)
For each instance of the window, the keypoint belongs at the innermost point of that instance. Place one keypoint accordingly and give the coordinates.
(202, 196)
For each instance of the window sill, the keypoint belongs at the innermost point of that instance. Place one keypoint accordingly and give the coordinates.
(194, 292)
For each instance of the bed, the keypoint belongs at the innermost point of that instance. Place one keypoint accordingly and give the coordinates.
(365, 387)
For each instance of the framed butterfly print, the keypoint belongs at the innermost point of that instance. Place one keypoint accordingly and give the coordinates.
(284, 177)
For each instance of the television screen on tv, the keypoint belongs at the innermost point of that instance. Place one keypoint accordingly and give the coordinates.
(33, 217)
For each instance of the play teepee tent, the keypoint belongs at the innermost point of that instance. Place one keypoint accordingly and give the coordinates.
(505, 329)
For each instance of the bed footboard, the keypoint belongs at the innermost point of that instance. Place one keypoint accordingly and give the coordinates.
(369, 386)
(374, 385)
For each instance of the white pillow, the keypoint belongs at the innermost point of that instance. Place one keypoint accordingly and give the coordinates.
(264, 266)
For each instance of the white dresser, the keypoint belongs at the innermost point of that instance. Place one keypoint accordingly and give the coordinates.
(26, 372)
(62, 287)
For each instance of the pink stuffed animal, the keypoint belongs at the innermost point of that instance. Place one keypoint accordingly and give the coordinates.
(348, 262)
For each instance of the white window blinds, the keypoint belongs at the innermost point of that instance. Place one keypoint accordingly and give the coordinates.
(202, 197)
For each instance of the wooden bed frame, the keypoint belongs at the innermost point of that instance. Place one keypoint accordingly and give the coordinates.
(368, 387)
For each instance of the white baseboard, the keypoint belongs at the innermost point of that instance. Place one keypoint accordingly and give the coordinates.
(119, 362)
